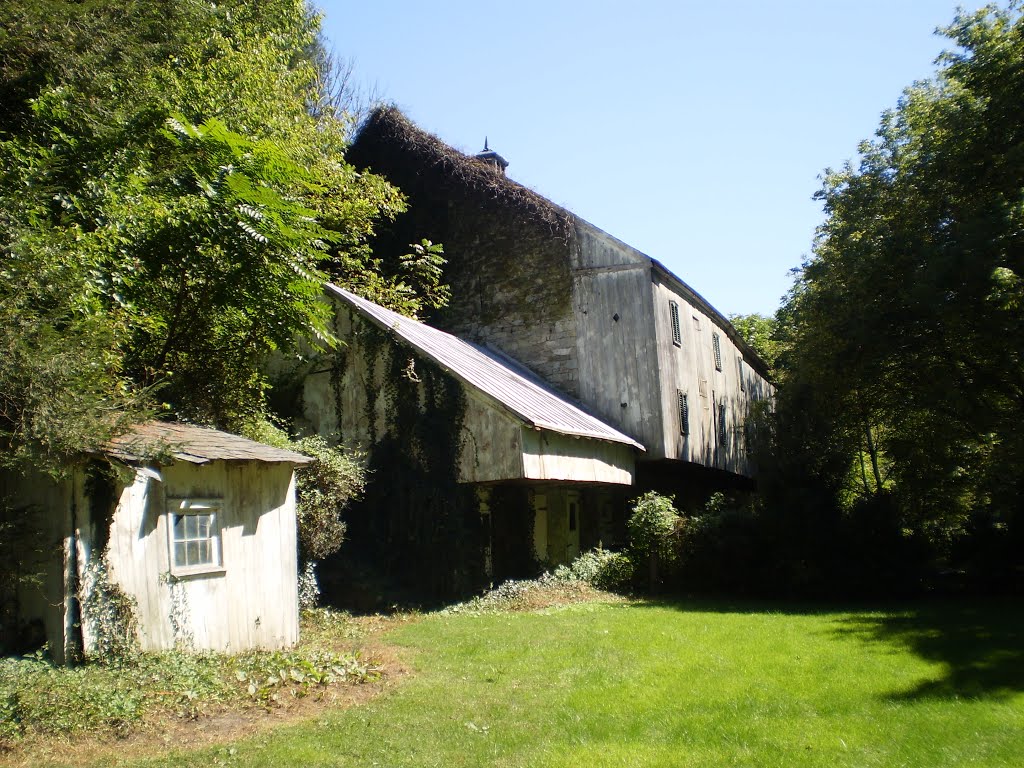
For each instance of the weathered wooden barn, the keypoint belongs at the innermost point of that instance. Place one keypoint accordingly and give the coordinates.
(595, 318)
(468, 484)
(192, 530)
(475, 460)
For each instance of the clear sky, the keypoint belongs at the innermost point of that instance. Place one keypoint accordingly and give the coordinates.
(695, 132)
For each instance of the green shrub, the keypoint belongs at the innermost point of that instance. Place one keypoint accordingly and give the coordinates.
(653, 529)
(653, 525)
(41, 699)
(600, 568)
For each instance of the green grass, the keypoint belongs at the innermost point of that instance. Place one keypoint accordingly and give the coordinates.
(683, 685)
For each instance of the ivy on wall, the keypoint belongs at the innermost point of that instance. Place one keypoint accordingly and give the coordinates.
(418, 525)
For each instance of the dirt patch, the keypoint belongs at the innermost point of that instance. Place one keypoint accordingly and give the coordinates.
(219, 724)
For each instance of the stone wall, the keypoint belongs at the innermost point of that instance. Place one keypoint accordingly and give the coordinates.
(512, 289)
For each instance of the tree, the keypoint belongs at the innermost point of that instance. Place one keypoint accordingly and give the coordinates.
(760, 332)
(904, 335)
(173, 196)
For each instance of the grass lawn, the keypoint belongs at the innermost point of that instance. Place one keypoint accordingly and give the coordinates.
(702, 684)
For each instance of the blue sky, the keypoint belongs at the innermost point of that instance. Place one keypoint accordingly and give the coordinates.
(696, 132)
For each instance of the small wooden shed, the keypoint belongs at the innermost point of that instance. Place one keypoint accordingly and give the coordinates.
(200, 542)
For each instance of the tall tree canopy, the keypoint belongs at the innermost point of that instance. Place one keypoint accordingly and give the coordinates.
(905, 329)
(173, 195)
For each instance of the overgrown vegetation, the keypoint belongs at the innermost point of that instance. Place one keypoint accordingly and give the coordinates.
(40, 700)
(324, 490)
(893, 461)
(173, 193)
(598, 569)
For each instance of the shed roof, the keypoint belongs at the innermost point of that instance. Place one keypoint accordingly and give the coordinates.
(498, 377)
(197, 445)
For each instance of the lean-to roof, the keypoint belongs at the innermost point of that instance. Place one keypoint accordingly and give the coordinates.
(499, 378)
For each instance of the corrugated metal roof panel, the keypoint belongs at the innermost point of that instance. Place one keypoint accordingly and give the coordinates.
(497, 376)
(197, 445)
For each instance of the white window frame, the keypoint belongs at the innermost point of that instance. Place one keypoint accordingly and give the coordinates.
(189, 507)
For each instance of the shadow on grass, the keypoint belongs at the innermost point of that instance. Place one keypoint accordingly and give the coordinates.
(980, 643)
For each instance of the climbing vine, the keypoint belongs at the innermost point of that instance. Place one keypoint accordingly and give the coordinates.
(418, 521)
(108, 615)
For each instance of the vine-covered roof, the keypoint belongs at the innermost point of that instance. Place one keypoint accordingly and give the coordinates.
(496, 376)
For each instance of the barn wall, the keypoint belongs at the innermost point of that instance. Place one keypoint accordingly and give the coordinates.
(690, 368)
(616, 341)
(511, 288)
(253, 601)
(355, 402)
(553, 456)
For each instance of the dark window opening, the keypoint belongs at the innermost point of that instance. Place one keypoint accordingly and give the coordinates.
(677, 337)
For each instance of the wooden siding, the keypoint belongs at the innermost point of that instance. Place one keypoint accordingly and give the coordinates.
(550, 456)
(48, 508)
(690, 369)
(493, 446)
(252, 602)
(617, 347)
(631, 371)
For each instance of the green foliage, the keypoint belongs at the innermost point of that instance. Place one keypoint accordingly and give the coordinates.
(109, 615)
(268, 676)
(170, 203)
(39, 699)
(653, 525)
(761, 333)
(597, 569)
(600, 568)
(324, 488)
(901, 365)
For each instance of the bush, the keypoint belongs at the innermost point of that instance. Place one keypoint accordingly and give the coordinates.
(601, 569)
(653, 529)
(598, 568)
(652, 526)
(323, 488)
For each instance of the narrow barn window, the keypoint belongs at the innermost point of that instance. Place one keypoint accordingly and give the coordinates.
(684, 412)
(677, 337)
(721, 424)
(194, 526)
(717, 344)
(739, 367)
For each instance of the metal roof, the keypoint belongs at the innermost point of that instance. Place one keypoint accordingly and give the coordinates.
(500, 378)
(197, 445)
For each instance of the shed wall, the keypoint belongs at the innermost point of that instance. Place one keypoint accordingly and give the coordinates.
(253, 601)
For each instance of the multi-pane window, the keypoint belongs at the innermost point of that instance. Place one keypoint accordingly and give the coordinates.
(194, 535)
(677, 337)
(721, 424)
(717, 344)
(684, 412)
